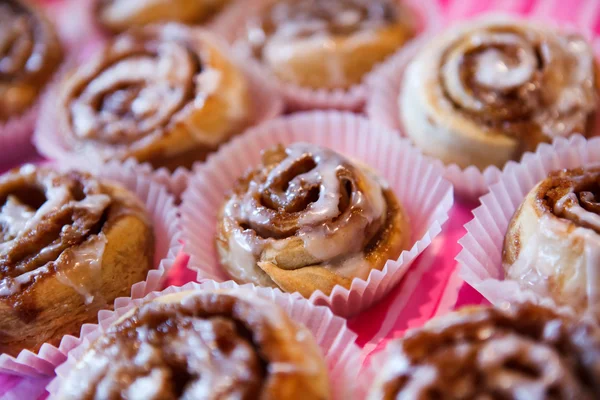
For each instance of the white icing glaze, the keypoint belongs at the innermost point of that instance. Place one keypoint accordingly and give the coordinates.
(88, 257)
(340, 242)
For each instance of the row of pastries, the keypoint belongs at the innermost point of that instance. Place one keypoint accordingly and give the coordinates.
(306, 218)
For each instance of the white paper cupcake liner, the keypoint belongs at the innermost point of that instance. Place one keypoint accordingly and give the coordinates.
(164, 214)
(51, 143)
(480, 260)
(336, 341)
(416, 180)
(297, 98)
(384, 88)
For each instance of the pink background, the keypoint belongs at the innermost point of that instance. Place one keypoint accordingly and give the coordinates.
(431, 287)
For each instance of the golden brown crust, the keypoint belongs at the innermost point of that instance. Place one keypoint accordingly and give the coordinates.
(119, 15)
(30, 53)
(69, 246)
(203, 344)
(328, 44)
(528, 351)
(160, 94)
(308, 219)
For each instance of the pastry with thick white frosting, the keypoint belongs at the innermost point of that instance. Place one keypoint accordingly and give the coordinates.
(484, 92)
(309, 219)
(69, 246)
(525, 352)
(164, 94)
(328, 43)
(552, 245)
(203, 344)
(120, 15)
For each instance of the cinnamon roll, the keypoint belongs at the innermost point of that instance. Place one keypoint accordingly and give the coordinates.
(201, 345)
(552, 245)
(69, 246)
(120, 15)
(308, 219)
(164, 94)
(30, 53)
(485, 92)
(527, 352)
(328, 43)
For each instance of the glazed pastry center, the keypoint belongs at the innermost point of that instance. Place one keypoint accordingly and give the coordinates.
(534, 354)
(43, 219)
(138, 92)
(309, 193)
(521, 82)
(167, 351)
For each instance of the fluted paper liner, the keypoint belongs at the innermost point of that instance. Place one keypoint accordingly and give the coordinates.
(164, 215)
(298, 98)
(335, 340)
(416, 180)
(384, 88)
(481, 256)
(50, 141)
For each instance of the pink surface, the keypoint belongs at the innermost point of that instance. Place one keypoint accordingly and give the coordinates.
(431, 286)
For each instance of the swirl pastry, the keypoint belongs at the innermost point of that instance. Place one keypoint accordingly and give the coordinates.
(120, 15)
(201, 345)
(328, 43)
(29, 55)
(485, 92)
(163, 94)
(552, 245)
(308, 219)
(528, 352)
(69, 246)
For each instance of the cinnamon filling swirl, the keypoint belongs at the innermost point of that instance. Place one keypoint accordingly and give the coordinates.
(29, 55)
(209, 345)
(527, 83)
(530, 352)
(307, 207)
(43, 217)
(164, 94)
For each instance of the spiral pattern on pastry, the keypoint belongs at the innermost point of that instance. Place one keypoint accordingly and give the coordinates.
(64, 239)
(29, 54)
(552, 245)
(120, 15)
(308, 219)
(165, 94)
(527, 352)
(201, 345)
(483, 93)
(328, 43)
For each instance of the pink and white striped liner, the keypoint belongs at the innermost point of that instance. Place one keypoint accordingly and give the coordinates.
(385, 87)
(164, 215)
(299, 98)
(481, 256)
(336, 341)
(416, 180)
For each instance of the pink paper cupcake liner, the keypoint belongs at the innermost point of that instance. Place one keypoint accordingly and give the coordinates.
(416, 180)
(481, 256)
(51, 143)
(385, 86)
(164, 214)
(15, 137)
(299, 98)
(336, 341)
